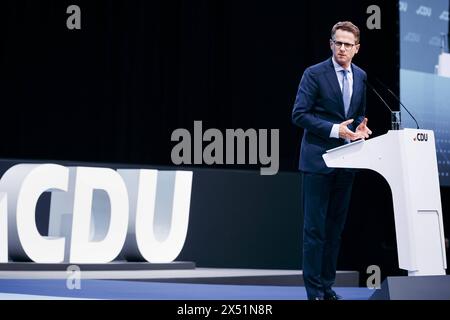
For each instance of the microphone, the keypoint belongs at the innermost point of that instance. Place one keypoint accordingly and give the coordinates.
(395, 115)
(443, 42)
(398, 100)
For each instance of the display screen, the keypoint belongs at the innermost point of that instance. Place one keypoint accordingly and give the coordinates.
(425, 72)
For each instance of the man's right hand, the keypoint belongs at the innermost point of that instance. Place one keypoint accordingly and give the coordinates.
(346, 133)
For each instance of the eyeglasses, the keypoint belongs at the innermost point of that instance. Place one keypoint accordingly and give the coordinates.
(347, 46)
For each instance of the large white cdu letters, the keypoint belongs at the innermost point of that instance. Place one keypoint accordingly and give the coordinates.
(3, 228)
(24, 184)
(61, 214)
(82, 249)
(159, 214)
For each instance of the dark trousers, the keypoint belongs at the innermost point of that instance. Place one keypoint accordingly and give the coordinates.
(326, 198)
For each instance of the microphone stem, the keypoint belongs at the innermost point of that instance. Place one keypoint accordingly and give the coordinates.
(379, 96)
(417, 125)
(398, 100)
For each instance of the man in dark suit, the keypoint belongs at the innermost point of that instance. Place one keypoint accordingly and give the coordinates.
(330, 106)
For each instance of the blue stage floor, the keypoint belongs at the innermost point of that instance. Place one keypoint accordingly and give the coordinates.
(140, 290)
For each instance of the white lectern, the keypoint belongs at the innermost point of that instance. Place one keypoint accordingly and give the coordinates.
(407, 160)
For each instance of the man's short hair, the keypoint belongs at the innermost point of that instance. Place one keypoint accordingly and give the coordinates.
(346, 26)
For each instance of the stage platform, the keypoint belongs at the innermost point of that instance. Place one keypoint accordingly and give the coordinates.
(169, 284)
(190, 284)
(50, 289)
(194, 276)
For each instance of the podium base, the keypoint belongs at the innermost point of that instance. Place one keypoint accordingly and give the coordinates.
(414, 288)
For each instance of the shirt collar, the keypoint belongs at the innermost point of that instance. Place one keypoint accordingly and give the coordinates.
(338, 67)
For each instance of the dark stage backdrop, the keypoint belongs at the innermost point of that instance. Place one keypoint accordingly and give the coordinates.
(116, 89)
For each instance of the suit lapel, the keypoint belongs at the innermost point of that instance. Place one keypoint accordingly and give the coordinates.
(334, 85)
(356, 89)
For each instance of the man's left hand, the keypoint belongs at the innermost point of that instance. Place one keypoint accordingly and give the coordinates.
(363, 130)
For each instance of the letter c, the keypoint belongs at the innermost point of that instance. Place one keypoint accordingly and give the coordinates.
(24, 184)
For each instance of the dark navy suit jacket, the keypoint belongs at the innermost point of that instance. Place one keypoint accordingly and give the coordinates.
(319, 105)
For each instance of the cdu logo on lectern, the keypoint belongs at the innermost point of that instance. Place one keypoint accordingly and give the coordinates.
(95, 215)
(421, 137)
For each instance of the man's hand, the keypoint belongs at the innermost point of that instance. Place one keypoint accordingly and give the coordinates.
(346, 133)
(363, 130)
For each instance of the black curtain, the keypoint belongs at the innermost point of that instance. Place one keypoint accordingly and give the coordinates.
(116, 89)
